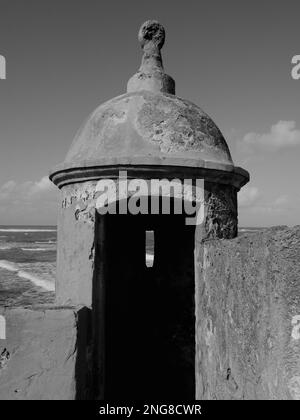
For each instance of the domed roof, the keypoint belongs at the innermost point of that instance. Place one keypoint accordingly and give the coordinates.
(149, 125)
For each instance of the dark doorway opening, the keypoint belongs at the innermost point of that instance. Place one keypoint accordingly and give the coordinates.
(145, 316)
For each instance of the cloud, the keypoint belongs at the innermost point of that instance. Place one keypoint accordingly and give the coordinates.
(281, 135)
(28, 201)
(41, 186)
(281, 202)
(250, 200)
(6, 189)
(248, 196)
(26, 190)
(272, 211)
(278, 205)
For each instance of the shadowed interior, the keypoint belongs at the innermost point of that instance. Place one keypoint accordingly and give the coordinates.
(146, 320)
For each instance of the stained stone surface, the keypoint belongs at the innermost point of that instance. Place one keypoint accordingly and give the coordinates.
(148, 124)
(75, 247)
(77, 228)
(221, 211)
(247, 328)
(248, 316)
(38, 356)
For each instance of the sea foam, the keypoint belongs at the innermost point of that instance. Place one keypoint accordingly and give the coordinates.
(7, 265)
(45, 242)
(27, 230)
(45, 284)
(36, 249)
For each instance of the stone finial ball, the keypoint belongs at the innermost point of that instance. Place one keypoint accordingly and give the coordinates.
(152, 31)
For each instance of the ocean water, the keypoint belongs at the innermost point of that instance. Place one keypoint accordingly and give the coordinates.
(28, 263)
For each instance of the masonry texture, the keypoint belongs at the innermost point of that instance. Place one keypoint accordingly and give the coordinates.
(67, 353)
(38, 358)
(247, 329)
(248, 316)
(151, 125)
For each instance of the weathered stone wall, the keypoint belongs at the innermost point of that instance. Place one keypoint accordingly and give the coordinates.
(75, 246)
(247, 329)
(39, 357)
(77, 228)
(248, 316)
(220, 211)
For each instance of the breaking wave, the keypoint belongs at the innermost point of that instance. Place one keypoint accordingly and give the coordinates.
(36, 249)
(38, 281)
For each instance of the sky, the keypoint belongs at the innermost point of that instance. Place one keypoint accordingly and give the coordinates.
(233, 59)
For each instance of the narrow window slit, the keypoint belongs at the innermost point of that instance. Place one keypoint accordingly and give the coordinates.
(149, 248)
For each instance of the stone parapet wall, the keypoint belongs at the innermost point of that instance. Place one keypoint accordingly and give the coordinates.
(247, 329)
(248, 316)
(39, 357)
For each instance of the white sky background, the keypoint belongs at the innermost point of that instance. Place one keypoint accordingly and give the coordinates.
(231, 58)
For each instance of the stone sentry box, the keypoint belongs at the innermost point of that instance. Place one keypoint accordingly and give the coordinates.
(142, 319)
